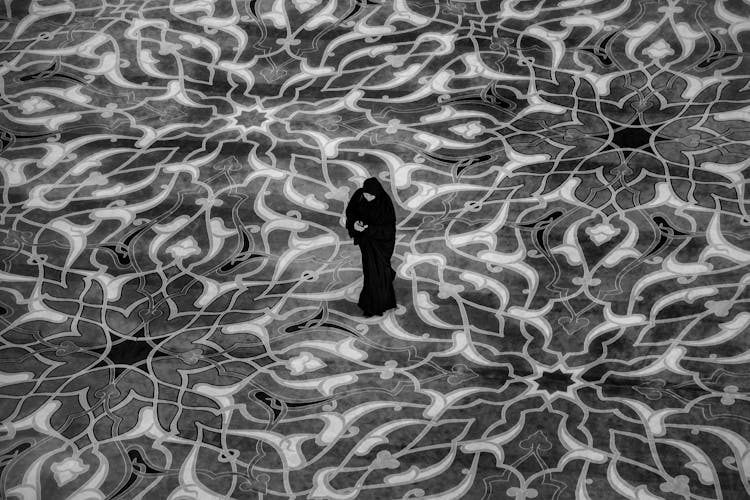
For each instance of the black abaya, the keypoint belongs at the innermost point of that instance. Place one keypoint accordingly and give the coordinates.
(376, 243)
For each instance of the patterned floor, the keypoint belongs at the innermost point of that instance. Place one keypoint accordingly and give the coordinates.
(178, 292)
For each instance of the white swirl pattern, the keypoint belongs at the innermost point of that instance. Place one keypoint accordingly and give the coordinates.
(178, 291)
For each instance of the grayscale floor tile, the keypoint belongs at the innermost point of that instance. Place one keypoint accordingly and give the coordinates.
(178, 292)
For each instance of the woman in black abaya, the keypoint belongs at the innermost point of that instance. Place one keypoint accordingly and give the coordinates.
(371, 222)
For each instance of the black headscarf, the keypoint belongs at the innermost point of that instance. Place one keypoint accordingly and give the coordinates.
(373, 186)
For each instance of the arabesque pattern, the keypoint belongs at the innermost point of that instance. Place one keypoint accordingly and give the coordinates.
(178, 292)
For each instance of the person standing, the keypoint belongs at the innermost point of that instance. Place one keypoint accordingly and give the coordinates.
(371, 223)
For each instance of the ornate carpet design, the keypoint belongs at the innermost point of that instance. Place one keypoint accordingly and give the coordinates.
(178, 291)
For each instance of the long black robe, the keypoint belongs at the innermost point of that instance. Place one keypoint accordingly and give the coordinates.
(376, 244)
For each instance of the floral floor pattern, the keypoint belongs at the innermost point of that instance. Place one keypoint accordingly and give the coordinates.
(178, 292)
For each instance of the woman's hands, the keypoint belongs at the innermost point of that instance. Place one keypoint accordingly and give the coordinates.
(359, 226)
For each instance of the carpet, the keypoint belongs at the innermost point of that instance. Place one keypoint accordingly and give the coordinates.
(178, 290)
